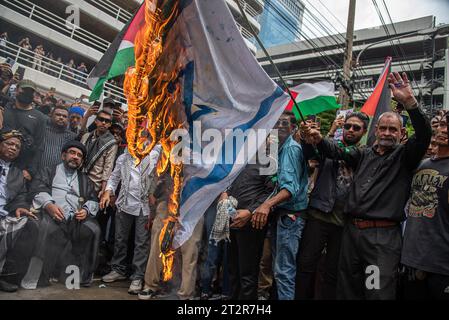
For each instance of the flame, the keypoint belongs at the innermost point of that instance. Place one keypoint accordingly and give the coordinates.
(151, 95)
(168, 257)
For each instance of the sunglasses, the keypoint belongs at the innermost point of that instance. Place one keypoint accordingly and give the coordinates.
(355, 127)
(104, 120)
(283, 123)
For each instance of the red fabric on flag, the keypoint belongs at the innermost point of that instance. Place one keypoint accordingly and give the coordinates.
(290, 104)
(371, 104)
(136, 24)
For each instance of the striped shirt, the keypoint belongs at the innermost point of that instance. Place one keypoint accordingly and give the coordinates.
(54, 140)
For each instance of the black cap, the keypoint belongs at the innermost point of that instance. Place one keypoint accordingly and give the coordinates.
(75, 144)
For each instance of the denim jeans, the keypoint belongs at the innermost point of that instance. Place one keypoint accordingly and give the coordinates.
(215, 254)
(286, 237)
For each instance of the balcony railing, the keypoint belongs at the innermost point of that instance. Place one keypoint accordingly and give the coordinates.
(246, 33)
(79, 34)
(55, 22)
(111, 9)
(53, 68)
(250, 10)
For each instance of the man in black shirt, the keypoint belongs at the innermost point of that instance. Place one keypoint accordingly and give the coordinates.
(250, 189)
(325, 220)
(31, 123)
(371, 243)
(426, 240)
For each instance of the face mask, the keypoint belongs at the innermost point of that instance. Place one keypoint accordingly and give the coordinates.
(25, 98)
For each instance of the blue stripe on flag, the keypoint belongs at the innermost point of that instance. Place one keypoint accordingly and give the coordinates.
(220, 171)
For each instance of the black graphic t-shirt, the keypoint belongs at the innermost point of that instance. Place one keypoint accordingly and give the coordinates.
(426, 238)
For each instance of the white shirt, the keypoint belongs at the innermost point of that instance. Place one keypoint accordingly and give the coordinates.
(65, 194)
(3, 190)
(132, 202)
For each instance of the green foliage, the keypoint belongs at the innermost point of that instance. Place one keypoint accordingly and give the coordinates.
(410, 130)
(327, 117)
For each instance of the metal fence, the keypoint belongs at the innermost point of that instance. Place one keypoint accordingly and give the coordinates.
(53, 68)
(111, 9)
(55, 22)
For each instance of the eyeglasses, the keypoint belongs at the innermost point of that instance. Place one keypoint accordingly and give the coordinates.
(355, 127)
(283, 123)
(104, 120)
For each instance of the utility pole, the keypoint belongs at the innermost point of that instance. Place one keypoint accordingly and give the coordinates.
(344, 94)
(446, 77)
(433, 76)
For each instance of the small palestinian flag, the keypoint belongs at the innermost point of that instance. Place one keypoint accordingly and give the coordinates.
(313, 98)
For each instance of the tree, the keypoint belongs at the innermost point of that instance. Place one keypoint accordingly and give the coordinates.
(327, 117)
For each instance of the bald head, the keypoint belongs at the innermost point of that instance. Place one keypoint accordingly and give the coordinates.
(391, 114)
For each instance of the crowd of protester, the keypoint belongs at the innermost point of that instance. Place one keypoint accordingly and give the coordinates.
(319, 228)
(44, 60)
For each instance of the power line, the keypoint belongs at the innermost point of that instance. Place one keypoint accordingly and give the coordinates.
(384, 25)
(338, 20)
(358, 72)
(292, 28)
(332, 36)
(340, 44)
(337, 41)
(399, 41)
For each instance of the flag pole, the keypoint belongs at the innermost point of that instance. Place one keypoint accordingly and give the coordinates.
(271, 61)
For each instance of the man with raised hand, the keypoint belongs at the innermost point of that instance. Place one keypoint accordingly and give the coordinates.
(372, 241)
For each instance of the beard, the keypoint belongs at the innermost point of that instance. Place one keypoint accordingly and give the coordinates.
(387, 143)
(72, 165)
(351, 140)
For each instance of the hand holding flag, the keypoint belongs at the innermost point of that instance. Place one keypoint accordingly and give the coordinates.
(310, 133)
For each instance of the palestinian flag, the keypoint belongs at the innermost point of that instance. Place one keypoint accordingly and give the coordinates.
(379, 101)
(313, 98)
(119, 56)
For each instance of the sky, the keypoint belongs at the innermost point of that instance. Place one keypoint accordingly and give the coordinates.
(366, 14)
